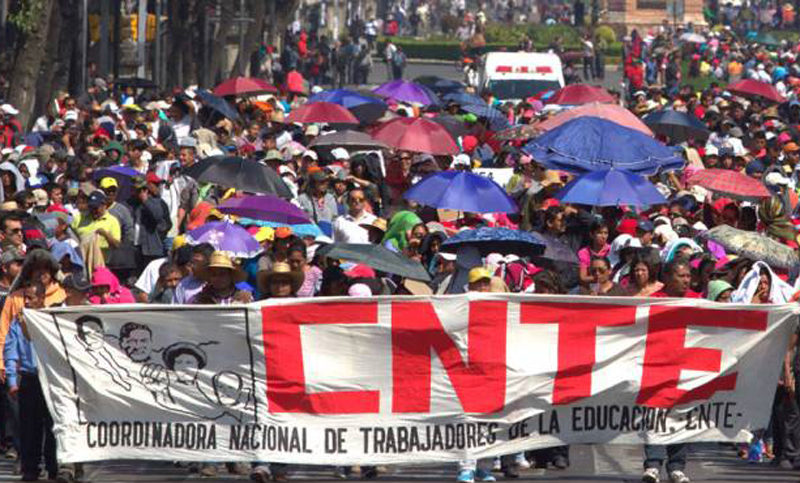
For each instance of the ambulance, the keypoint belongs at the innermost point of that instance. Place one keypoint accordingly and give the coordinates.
(515, 76)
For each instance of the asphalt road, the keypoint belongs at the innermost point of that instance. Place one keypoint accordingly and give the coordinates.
(449, 70)
(590, 464)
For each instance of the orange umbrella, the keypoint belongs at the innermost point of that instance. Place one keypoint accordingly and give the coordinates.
(609, 112)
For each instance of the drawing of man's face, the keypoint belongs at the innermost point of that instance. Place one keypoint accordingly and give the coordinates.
(228, 387)
(137, 345)
(186, 368)
(92, 334)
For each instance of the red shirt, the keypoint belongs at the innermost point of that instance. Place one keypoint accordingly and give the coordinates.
(661, 294)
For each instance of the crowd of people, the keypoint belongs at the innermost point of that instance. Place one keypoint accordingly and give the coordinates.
(75, 229)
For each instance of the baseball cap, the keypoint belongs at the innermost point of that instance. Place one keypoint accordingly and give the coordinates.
(478, 273)
(645, 226)
(11, 255)
(187, 142)
(108, 182)
(41, 197)
(76, 281)
(340, 153)
(273, 155)
(97, 198)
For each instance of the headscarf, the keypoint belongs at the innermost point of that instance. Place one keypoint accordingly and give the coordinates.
(717, 288)
(117, 294)
(669, 251)
(773, 214)
(401, 222)
(780, 292)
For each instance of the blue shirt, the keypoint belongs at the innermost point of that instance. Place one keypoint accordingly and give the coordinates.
(18, 354)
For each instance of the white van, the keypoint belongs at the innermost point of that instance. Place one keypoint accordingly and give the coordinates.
(514, 76)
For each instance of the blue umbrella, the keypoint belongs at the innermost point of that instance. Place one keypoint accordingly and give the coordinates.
(440, 85)
(301, 230)
(497, 240)
(497, 121)
(462, 191)
(217, 104)
(611, 187)
(463, 98)
(679, 126)
(345, 98)
(590, 143)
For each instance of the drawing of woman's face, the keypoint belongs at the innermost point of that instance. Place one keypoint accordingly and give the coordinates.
(228, 386)
(186, 367)
(92, 334)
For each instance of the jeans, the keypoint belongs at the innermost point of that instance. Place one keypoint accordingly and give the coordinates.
(786, 426)
(9, 418)
(36, 427)
(675, 454)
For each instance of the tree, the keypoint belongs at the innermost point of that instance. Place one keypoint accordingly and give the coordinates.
(32, 18)
(252, 37)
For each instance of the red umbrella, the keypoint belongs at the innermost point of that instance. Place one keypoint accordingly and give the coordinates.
(732, 184)
(610, 112)
(242, 86)
(575, 94)
(754, 88)
(417, 135)
(322, 112)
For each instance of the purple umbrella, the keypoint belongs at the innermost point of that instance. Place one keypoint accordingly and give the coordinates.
(122, 174)
(266, 208)
(405, 91)
(226, 237)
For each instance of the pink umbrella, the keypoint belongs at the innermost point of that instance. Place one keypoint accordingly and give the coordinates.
(417, 135)
(322, 112)
(753, 88)
(575, 94)
(609, 112)
(240, 86)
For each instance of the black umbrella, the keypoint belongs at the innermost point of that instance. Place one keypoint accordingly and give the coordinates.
(218, 104)
(377, 257)
(239, 173)
(351, 140)
(439, 85)
(455, 126)
(678, 126)
(556, 251)
(136, 83)
(369, 112)
(496, 240)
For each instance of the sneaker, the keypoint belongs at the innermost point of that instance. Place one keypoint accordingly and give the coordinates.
(208, 471)
(340, 473)
(678, 476)
(238, 468)
(521, 462)
(260, 474)
(651, 475)
(65, 475)
(483, 475)
(466, 476)
(560, 463)
(11, 453)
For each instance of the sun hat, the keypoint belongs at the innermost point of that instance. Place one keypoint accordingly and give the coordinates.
(279, 270)
(221, 260)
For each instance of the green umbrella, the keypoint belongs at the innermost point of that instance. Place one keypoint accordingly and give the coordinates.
(767, 39)
(753, 245)
(376, 257)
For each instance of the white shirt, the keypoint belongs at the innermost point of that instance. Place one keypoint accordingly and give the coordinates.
(149, 277)
(347, 229)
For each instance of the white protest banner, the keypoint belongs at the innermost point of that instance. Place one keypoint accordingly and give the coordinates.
(500, 176)
(403, 379)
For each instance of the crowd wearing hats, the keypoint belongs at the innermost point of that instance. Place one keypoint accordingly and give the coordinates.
(191, 198)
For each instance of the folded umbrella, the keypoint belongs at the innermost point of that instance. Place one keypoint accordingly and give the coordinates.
(590, 143)
(754, 246)
(405, 91)
(677, 125)
(575, 94)
(496, 240)
(217, 104)
(322, 112)
(732, 184)
(609, 112)
(377, 257)
(243, 86)
(242, 174)
(264, 207)
(226, 237)
(752, 88)
(417, 135)
(611, 187)
(462, 191)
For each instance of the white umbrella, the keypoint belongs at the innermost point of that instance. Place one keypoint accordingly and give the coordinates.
(693, 38)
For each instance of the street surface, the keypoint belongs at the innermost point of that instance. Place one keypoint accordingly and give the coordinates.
(449, 70)
(590, 464)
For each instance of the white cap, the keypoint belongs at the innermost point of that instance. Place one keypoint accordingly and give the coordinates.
(187, 142)
(9, 109)
(71, 116)
(461, 160)
(310, 153)
(712, 150)
(283, 139)
(450, 257)
(340, 153)
(776, 179)
(283, 169)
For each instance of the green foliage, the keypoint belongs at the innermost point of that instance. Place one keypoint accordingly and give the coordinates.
(26, 14)
(790, 35)
(450, 24)
(606, 33)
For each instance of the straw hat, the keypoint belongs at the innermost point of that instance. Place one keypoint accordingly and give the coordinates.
(279, 270)
(221, 260)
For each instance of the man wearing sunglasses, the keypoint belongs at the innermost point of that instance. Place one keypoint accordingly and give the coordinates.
(347, 228)
(11, 235)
